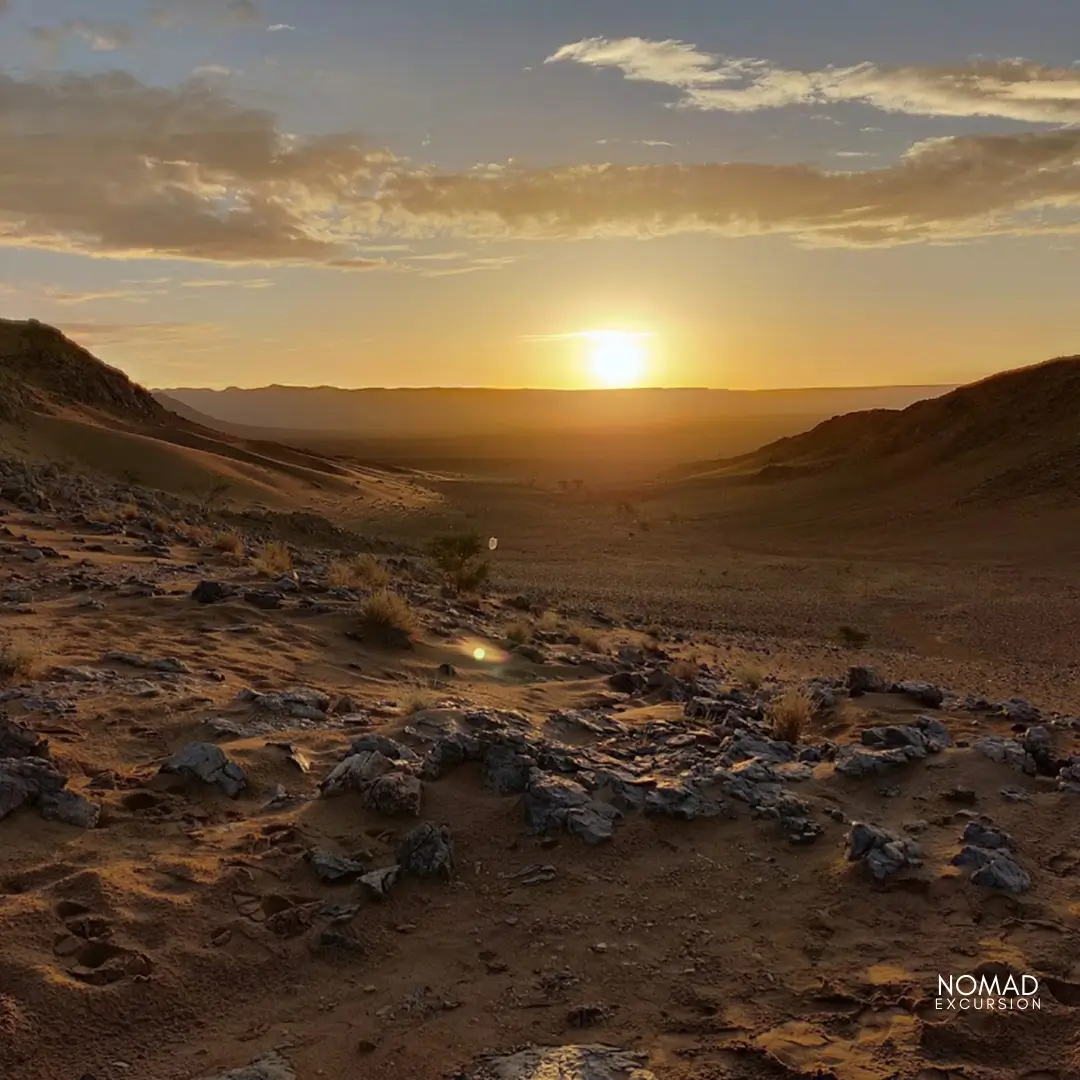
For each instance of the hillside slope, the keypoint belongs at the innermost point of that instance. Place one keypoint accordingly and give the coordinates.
(1010, 435)
(60, 403)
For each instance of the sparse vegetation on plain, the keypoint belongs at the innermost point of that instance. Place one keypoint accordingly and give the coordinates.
(19, 659)
(519, 631)
(387, 619)
(459, 558)
(357, 572)
(749, 675)
(274, 559)
(790, 714)
(229, 543)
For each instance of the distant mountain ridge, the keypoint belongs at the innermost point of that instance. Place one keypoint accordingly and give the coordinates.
(377, 412)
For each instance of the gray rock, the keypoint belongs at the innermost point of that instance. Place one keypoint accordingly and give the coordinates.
(334, 869)
(996, 869)
(507, 771)
(865, 680)
(211, 592)
(986, 835)
(680, 801)
(428, 851)
(882, 852)
(23, 781)
(390, 749)
(32, 554)
(355, 773)
(1006, 752)
(856, 761)
(1069, 776)
(378, 883)
(271, 1066)
(1020, 712)
(923, 693)
(69, 808)
(589, 1062)
(396, 794)
(17, 741)
(210, 764)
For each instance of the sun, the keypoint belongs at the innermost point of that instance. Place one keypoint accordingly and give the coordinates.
(617, 358)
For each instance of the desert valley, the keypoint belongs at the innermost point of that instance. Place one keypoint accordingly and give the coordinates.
(539, 541)
(712, 775)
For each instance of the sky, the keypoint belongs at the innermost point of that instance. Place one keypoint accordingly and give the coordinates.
(415, 193)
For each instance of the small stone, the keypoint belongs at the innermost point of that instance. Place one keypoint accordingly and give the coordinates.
(210, 764)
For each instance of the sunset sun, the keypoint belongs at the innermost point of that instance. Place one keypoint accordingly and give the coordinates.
(616, 358)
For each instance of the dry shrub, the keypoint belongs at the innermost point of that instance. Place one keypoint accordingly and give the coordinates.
(359, 572)
(161, 525)
(386, 618)
(592, 640)
(750, 675)
(275, 559)
(19, 659)
(129, 512)
(790, 715)
(417, 701)
(459, 558)
(548, 622)
(519, 631)
(229, 543)
(686, 670)
(199, 535)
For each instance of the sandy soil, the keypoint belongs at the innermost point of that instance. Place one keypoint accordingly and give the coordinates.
(187, 934)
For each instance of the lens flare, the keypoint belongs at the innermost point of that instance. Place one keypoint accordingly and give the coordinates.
(479, 653)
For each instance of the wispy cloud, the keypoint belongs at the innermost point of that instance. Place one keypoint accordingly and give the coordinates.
(74, 297)
(227, 283)
(212, 71)
(100, 37)
(278, 27)
(1013, 89)
(193, 336)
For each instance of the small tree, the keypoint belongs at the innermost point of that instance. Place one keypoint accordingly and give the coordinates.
(459, 558)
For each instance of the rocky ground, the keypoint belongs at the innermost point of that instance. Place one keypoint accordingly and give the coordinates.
(244, 837)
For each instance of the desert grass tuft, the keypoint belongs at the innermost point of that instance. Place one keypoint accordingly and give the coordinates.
(130, 511)
(274, 559)
(519, 631)
(790, 715)
(19, 659)
(686, 670)
(548, 622)
(417, 701)
(359, 572)
(386, 618)
(229, 543)
(750, 675)
(592, 640)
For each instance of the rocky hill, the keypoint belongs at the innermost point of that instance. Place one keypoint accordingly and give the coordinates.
(1011, 435)
(42, 370)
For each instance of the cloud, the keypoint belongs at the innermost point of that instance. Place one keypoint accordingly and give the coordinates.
(225, 13)
(105, 165)
(100, 37)
(226, 283)
(277, 27)
(73, 297)
(211, 70)
(1011, 89)
(942, 190)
